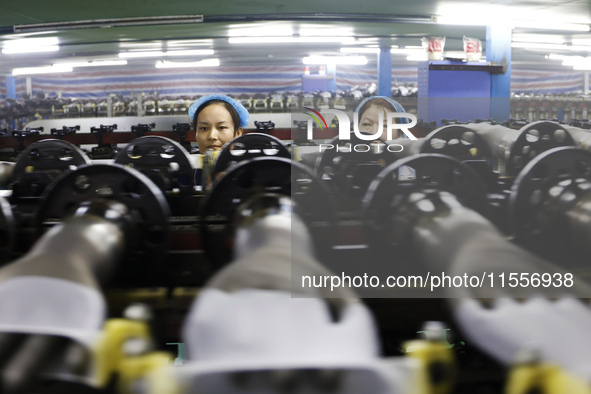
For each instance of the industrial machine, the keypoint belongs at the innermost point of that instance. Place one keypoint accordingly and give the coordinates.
(453, 265)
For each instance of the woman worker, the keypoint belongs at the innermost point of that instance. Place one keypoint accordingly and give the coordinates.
(216, 119)
(369, 111)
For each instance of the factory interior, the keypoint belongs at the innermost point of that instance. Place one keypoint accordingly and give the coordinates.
(195, 198)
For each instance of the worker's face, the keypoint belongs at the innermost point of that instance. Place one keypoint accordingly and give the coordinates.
(215, 127)
(370, 122)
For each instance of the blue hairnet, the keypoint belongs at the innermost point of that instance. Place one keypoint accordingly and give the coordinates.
(242, 112)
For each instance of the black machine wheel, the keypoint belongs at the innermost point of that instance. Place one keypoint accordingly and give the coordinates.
(146, 202)
(408, 181)
(263, 175)
(249, 146)
(162, 160)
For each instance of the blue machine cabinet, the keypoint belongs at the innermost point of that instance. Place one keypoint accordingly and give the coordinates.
(455, 90)
(318, 83)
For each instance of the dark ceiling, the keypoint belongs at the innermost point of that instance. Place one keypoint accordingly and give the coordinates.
(376, 22)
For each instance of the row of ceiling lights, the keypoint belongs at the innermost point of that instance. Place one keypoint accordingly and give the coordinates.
(246, 36)
(36, 45)
(412, 54)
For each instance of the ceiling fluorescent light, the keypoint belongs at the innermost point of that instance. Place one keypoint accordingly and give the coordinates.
(136, 46)
(541, 38)
(408, 51)
(31, 42)
(290, 40)
(103, 23)
(96, 63)
(47, 48)
(100, 63)
(483, 18)
(188, 42)
(30, 45)
(554, 56)
(417, 58)
(575, 60)
(201, 63)
(35, 33)
(261, 31)
(148, 54)
(581, 41)
(190, 52)
(550, 25)
(463, 19)
(127, 55)
(536, 46)
(41, 70)
(361, 50)
(350, 60)
(328, 40)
